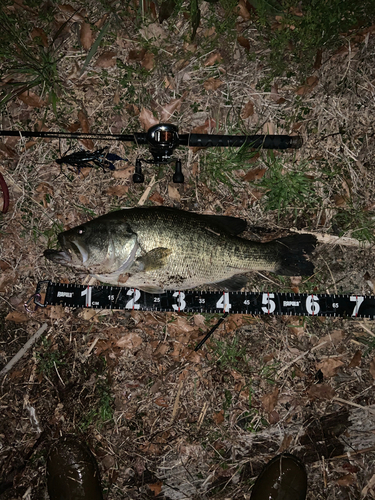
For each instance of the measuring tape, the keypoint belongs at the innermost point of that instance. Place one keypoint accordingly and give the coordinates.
(257, 303)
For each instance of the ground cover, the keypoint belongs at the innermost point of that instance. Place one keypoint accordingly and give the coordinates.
(164, 421)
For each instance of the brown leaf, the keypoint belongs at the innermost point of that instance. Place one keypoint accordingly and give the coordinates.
(372, 367)
(147, 119)
(212, 84)
(244, 42)
(212, 59)
(31, 99)
(218, 417)
(157, 198)
(71, 12)
(123, 173)
(247, 110)
(106, 60)
(83, 120)
(356, 360)
(309, 85)
(346, 480)
(269, 401)
(321, 391)
(39, 32)
(6, 152)
(173, 193)
(205, 128)
(273, 417)
(329, 366)
(156, 487)
(86, 36)
(161, 402)
(242, 10)
(129, 341)
(168, 109)
(117, 190)
(17, 317)
(148, 61)
(275, 94)
(254, 174)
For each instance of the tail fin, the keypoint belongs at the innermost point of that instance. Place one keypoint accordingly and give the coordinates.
(293, 251)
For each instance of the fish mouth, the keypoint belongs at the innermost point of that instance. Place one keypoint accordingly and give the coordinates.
(59, 256)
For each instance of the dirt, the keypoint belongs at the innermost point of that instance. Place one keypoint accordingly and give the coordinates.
(162, 420)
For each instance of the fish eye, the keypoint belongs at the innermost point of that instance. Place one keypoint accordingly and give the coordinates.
(80, 230)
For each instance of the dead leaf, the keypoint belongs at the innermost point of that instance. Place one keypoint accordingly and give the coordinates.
(106, 60)
(268, 357)
(356, 360)
(335, 337)
(86, 36)
(208, 125)
(117, 190)
(254, 174)
(242, 10)
(273, 417)
(168, 109)
(218, 417)
(17, 317)
(179, 326)
(321, 391)
(309, 85)
(372, 367)
(148, 61)
(346, 480)
(248, 110)
(83, 120)
(123, 173)
(212, 84)
(156, 487)
(173, 193)
(129, 341)
(275, 94)
(70, 12)
(31, 99)
(244, 42)
(213, 58)
(269, 400)
(156, 198)
(39, 32)
(329, 366)
(161, 402)
(147, 119)
(6, 152)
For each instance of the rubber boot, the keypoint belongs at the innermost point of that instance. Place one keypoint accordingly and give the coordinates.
(282, 478)
(72, 472)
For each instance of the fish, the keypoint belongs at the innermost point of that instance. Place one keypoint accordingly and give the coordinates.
(155, 249)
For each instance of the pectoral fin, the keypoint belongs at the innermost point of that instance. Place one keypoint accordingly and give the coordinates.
(233, 284)
(152, 260)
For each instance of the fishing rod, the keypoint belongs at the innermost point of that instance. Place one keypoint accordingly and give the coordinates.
(162, 139)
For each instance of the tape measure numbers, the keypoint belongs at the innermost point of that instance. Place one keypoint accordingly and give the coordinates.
(291, 304)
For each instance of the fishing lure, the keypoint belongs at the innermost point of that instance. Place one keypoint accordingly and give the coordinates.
(83, 158)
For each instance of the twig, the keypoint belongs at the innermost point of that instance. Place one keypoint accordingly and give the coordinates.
(350, 403)
(23, 350)
(337, 240)
(284, 368)
(367, 330)
(147, 192)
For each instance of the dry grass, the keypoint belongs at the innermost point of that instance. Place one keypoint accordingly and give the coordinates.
(160, 418)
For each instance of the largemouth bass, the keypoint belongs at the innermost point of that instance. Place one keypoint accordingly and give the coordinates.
(160, 248)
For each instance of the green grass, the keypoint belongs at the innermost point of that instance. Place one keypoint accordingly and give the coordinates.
(305, 27)
(287, 188)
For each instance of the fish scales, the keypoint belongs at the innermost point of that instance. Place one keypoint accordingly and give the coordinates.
(160, 248)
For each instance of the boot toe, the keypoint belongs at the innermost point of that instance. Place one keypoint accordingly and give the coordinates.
(72, 472)
(283, 478)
